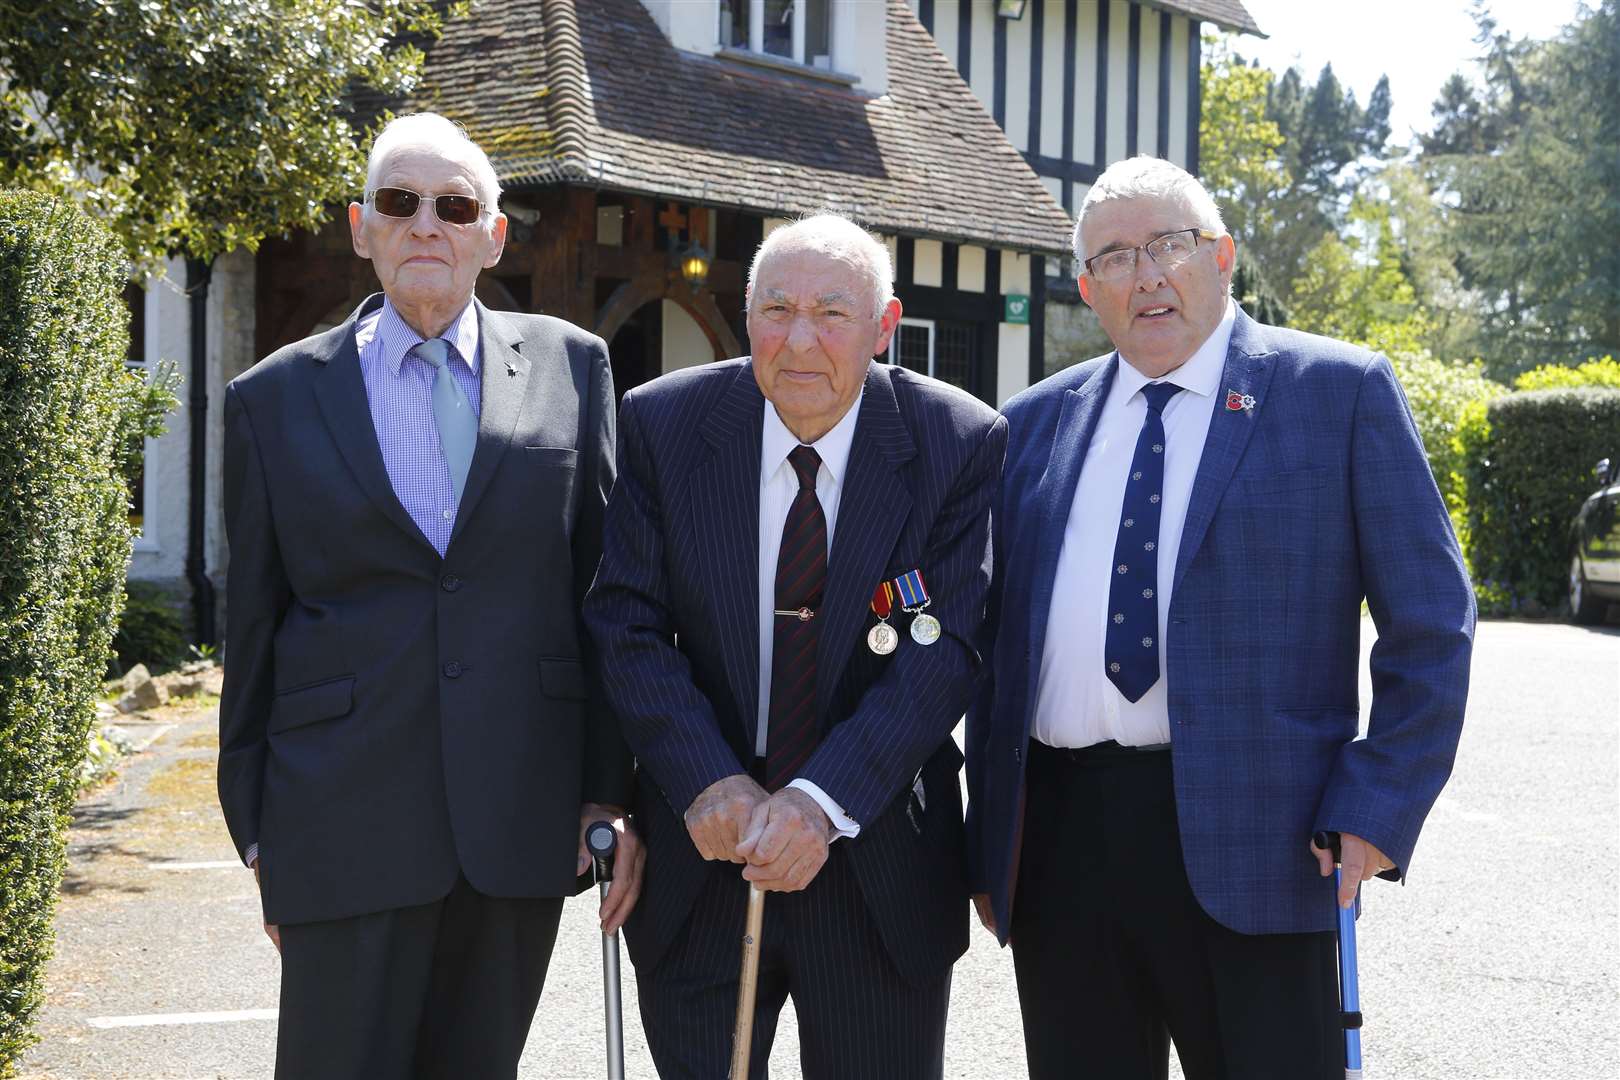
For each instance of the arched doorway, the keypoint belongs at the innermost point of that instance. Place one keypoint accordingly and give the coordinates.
(637, 349)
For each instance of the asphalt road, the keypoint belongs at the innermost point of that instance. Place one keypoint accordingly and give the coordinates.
(1500, 958)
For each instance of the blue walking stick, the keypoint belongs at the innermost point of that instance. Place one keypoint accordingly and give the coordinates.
(1349, 994)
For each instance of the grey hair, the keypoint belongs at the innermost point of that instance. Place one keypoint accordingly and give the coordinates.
(831, 233)
(1145, 177)
(436, 132)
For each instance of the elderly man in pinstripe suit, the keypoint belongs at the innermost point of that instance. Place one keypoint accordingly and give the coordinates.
(794, 569)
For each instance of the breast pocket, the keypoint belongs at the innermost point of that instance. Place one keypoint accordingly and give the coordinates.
(1290, 480)
(550, 455)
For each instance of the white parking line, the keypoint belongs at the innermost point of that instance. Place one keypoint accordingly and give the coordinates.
(171, 1019)
(215, 864)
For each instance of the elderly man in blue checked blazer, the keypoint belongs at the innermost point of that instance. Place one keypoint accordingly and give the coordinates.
(1185, 531)
(793, 578)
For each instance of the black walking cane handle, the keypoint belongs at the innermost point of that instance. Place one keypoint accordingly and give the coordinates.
(602, 841)
(1327, 841)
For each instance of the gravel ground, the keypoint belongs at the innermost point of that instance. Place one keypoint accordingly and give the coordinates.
(1499, 959)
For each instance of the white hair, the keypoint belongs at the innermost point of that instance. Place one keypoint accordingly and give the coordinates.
(1145, 177)
(439, 133)
(830, 233)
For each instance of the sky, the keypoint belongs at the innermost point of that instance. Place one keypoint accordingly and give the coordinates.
(1417, 43)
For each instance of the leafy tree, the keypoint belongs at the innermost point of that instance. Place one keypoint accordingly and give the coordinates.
(1528, 165)
(1240, 156)
(197, 126)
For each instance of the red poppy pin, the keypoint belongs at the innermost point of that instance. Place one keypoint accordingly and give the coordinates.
(1236, 402)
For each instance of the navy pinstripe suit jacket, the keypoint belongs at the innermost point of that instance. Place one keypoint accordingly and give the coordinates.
(674, 611)
(1317, 496)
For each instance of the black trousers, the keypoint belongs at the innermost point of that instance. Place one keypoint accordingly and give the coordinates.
(858, 1020)
(1115, 959)
(446, 989)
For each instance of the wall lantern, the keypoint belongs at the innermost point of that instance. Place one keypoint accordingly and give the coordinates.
(694, 264)
(1011, 9)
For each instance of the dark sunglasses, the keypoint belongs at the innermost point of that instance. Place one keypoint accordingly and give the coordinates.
(397, 202)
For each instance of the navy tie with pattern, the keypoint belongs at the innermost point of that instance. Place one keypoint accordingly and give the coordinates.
(1132, 647)
(801, 574)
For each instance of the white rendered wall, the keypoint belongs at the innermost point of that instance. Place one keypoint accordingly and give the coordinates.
(928, 263)
(689, 24)
(860, 45)
(684, 342)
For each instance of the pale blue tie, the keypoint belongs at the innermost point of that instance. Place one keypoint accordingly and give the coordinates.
(452, 413)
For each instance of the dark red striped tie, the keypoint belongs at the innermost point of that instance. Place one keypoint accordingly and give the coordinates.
(801, 574)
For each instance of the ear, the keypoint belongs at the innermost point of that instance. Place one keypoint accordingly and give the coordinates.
(357, 233)
(1226, 255)
(887, 323)
(1085, 288)
(500, 242)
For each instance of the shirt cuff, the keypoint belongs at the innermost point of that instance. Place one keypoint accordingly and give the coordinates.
(846, 826)
(251, 856)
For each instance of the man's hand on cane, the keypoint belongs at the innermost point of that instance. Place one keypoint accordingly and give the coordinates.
(1358, 859)
(628, 862)
(786, 842)
(719, 817)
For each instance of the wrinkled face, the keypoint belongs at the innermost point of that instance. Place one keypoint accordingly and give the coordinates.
(422, 260)
(1158, 316)
(813, 330)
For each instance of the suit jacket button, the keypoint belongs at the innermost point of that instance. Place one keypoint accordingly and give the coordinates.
(449, 583)
(452, 670)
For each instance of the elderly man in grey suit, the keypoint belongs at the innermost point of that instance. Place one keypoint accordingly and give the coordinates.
(411, 738)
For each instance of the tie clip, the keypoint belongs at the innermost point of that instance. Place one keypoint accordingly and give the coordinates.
(803, 614)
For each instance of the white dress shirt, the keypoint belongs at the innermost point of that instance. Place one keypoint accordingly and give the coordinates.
(1075, 703)
(778, 484)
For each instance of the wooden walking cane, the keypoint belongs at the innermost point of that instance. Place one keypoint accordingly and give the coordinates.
(742, 1038)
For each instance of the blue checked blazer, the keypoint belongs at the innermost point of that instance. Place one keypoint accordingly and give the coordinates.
(674, 612)
(1316, 497)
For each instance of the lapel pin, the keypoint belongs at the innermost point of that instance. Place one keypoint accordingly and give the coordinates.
(1236, 402)
(511, 371)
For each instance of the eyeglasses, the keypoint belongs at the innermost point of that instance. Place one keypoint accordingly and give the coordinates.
(1169, 251)
(397, 202)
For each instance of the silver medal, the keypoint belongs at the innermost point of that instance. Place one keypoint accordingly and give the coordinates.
(882, 639)
(924, 629)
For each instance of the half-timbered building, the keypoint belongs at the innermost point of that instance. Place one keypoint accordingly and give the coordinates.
(646, 146)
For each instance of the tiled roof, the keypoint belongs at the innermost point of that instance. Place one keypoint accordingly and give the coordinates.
(593, 93)
(1226, 14)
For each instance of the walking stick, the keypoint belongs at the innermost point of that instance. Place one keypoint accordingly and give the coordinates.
(742, 1038)
(602, 841)
(1349, 994)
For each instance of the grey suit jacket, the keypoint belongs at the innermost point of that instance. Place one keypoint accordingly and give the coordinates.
(392, 718)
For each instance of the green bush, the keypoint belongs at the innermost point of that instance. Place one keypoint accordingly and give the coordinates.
(67, 412)
(150, 631)
(1600, 371)
(1528, 472)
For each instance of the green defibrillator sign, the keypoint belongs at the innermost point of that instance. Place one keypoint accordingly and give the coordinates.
(1017, 309)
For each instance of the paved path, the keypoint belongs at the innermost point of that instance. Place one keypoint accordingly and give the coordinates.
(1499, 959)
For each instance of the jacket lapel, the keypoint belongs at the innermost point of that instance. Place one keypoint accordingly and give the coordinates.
(873, 506)
(1055, 496)
(340, 393)
(1249, 366)
(725, 514)
(504, 378)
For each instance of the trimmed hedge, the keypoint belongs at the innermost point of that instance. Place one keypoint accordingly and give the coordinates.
(1528, 474)
(69, 413)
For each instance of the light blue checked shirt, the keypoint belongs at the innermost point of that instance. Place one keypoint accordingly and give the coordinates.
(400, 392)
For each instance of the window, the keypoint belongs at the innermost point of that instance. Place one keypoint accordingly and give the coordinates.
(797, 30)
(135, 359)
(940, 348)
